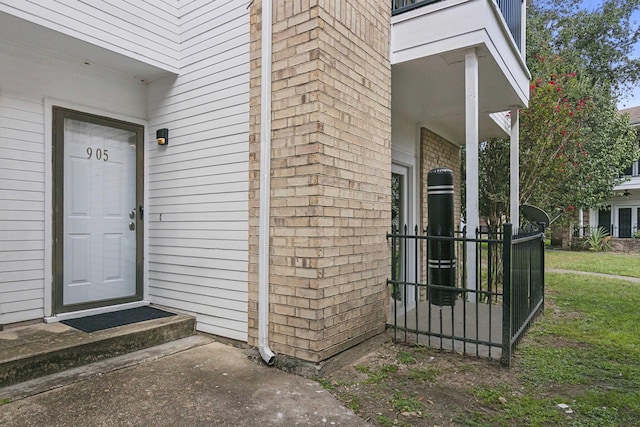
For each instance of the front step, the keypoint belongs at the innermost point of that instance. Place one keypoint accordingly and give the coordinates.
(33, 351)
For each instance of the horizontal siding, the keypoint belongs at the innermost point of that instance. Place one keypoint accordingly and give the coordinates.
(198, 184)
(129, 28)
(21, 209)
(28, 77)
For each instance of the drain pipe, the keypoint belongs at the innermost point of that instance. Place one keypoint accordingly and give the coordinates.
(265, 187)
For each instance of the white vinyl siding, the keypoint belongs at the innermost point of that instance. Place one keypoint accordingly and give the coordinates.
(26, 79)
(21, 209)
(144, 30)
(198, 185)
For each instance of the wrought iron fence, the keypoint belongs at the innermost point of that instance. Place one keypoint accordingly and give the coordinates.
(494, 289)
(620, 232)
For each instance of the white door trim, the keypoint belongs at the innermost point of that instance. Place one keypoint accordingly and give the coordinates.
(49, 103)
(409, 205)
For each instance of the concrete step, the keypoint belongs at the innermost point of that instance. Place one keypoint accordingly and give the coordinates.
(33, 351)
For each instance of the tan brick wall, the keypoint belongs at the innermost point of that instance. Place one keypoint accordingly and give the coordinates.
(437, 152)
(330, 176)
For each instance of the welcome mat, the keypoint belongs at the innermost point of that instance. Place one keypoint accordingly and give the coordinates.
(102, 321)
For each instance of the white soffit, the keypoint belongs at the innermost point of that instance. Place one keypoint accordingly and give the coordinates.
(29, 34)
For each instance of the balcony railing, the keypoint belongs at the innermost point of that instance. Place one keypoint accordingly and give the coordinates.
(511, 11)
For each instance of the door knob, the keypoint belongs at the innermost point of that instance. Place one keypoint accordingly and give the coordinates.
(132, 214)
(132, 226)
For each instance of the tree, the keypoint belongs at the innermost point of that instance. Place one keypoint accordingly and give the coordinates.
(599, 42)
(573, 143)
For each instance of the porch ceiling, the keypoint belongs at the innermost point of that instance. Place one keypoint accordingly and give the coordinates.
(431, 91)
(28, 35)
(428, 67)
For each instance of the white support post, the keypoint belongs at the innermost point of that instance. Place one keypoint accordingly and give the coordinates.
(471, 144)
(514, 160)
(581, 218)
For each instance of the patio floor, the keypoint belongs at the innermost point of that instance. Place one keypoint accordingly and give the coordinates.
(453, 327)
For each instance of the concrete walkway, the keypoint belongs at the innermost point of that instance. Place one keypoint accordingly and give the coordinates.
(588, 273)
(211, 384)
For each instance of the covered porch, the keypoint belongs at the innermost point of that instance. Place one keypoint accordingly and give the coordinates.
(458, 71)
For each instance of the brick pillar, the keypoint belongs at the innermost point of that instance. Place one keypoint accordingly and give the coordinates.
(330, 175)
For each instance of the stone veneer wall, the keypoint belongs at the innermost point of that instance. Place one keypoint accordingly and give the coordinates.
(437, 152)
(330, 174)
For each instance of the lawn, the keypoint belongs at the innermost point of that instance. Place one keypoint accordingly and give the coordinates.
(583, 353)
(596, 262)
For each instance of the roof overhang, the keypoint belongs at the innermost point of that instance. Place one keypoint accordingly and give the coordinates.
(22, 32)
(428, 47)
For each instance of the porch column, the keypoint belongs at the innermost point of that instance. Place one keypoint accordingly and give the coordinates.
(471, 132)
(514, 158)
(581, 216)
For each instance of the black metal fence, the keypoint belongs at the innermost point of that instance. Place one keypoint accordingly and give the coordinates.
(622, 232)
(496, 290)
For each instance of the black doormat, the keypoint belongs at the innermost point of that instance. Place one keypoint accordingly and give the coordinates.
(102, 321)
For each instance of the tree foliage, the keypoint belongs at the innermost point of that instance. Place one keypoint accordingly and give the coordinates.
(573, 143)
(598, 42)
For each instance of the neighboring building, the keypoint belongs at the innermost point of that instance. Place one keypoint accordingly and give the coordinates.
(621, 217)
(286, 252)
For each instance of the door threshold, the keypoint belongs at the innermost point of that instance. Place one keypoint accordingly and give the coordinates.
(90, 312)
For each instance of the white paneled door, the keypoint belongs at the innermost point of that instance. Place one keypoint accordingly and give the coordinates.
(98, 199)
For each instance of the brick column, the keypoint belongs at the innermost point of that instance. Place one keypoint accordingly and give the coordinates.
(330, 176)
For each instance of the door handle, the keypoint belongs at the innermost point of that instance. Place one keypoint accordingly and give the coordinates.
(141, 210)
(132, 226)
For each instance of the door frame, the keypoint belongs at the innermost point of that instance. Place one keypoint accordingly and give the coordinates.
(617, 224)
(408, 205)
(58, 114)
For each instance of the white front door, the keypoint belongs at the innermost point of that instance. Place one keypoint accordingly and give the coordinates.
(98, 211)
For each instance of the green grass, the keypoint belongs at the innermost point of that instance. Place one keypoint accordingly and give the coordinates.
(595, 262)
(586, 354)
(583, 351)
(423, 374)
(403, 403)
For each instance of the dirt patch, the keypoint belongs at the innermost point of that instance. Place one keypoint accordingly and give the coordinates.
(419, 386)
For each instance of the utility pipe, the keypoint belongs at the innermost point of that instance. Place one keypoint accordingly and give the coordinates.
(265, 186)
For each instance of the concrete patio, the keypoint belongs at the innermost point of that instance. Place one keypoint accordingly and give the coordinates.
(466, 321)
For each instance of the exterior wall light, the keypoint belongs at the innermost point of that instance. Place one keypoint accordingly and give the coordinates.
(162, 135)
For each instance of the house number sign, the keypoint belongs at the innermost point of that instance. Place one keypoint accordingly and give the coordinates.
(98, 153)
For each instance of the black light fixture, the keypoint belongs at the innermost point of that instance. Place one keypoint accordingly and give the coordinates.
(626, 193)
(162, 135)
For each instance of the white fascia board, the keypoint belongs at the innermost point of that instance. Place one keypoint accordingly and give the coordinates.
(632, 184)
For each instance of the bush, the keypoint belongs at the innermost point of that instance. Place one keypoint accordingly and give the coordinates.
(599, 240)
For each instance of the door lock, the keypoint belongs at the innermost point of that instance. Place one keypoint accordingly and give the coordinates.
(132, 214)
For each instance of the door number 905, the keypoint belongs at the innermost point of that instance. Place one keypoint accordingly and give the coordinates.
(98, 153)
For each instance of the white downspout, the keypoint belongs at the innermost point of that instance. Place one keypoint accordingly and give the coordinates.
(265, 187)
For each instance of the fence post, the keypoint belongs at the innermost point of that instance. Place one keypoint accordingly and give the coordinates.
(506, 294)
(394, 278)
(542, 255)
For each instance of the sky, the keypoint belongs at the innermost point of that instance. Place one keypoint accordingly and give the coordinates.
(632, 99)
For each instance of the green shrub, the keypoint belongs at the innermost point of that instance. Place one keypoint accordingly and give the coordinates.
(599, 240)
